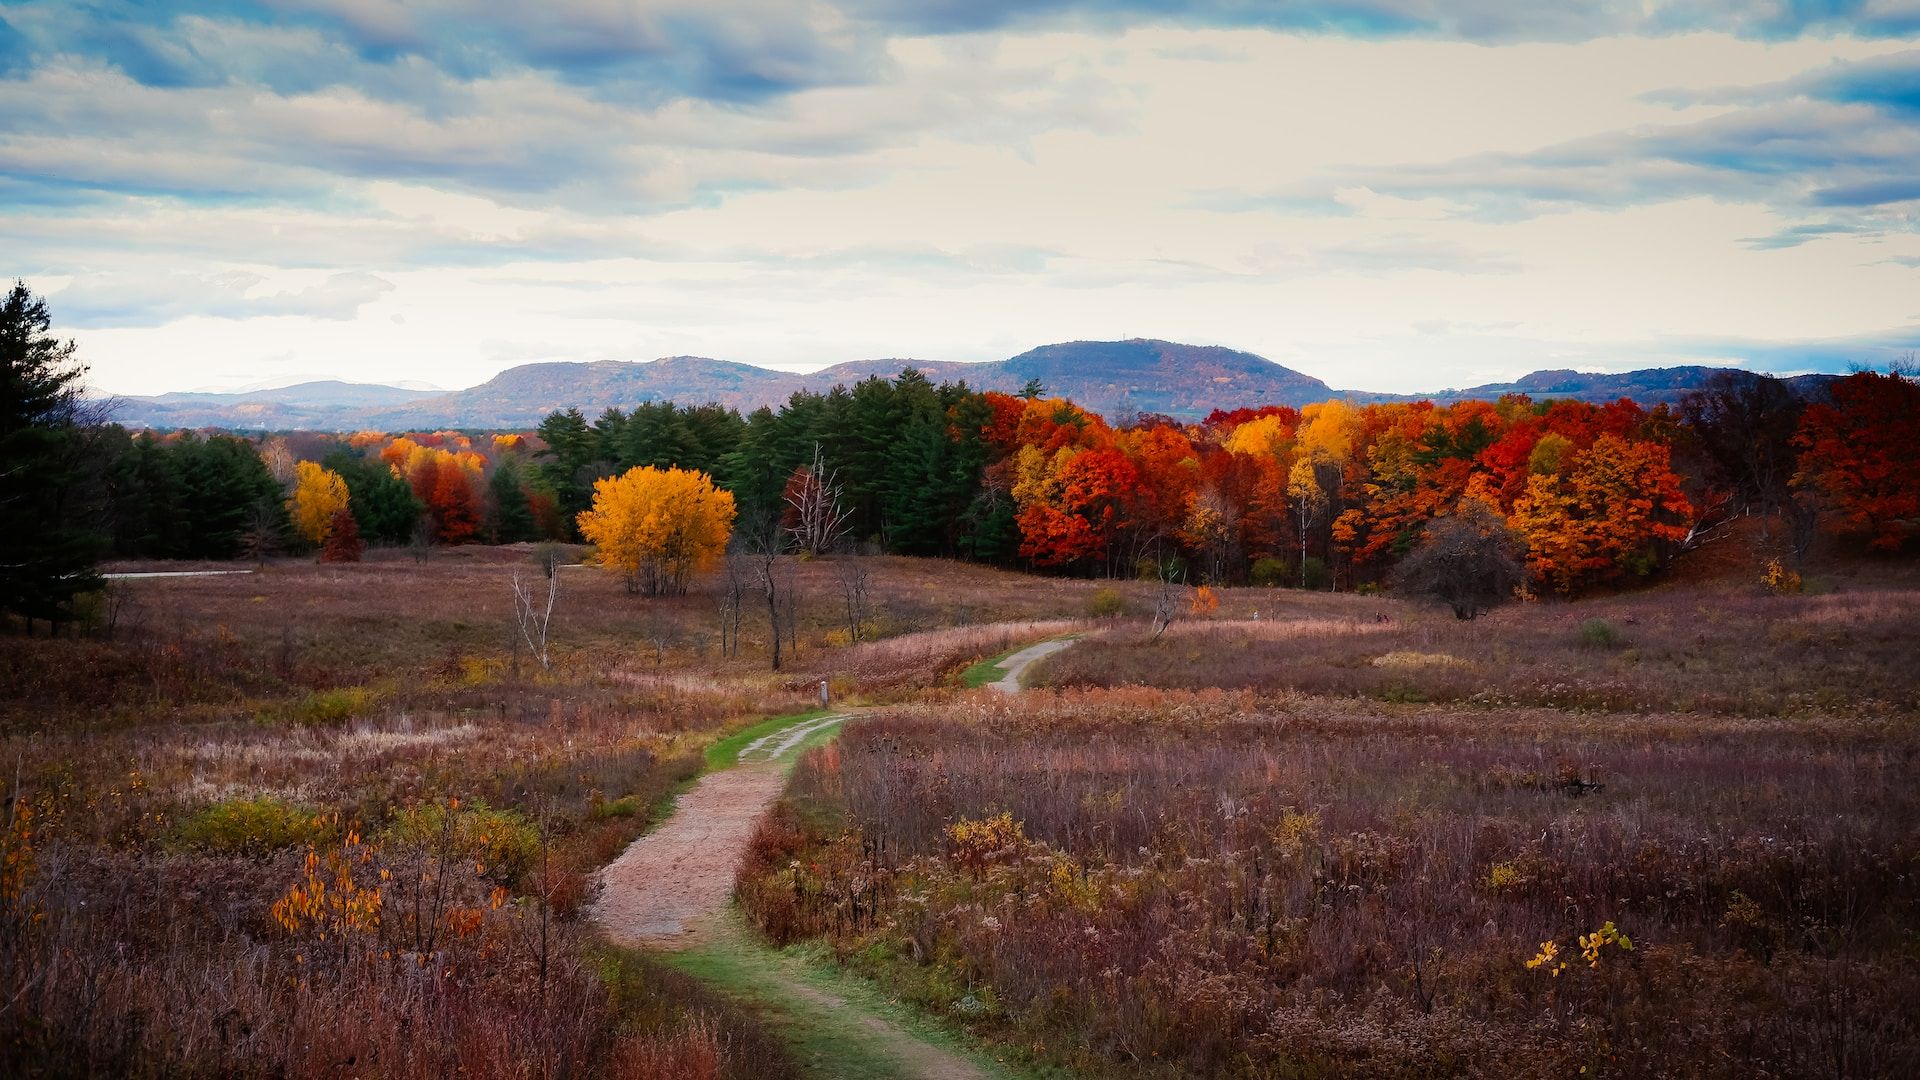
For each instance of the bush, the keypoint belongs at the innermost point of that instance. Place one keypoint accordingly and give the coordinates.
(1317, 575)
(1272, 573)
(1600, 634)
(1107, 603)
(1469, 560)
(327, 706)
(255, 826)
(1780, 580)
(502, 841)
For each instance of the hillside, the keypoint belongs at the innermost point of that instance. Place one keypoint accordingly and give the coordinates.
(1117, 378)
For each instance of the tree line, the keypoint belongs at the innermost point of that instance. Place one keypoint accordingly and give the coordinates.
(1333, 495)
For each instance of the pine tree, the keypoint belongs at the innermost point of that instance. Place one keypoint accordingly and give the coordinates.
(47, 547)
(512, 519)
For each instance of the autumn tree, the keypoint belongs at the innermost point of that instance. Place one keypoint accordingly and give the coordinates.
(452, 504)
(1469, 560)
(318, 494)
(343, 539)
(1604, 516)
(1860, 453)
(659, 527)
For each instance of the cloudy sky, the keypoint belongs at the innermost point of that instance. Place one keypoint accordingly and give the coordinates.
(1389, 194)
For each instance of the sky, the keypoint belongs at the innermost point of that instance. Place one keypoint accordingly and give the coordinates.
(1391, 195)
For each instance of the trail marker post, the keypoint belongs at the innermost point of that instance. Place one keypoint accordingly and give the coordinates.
(823, 693)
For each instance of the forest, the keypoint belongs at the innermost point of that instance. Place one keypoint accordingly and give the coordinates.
(1329, 496)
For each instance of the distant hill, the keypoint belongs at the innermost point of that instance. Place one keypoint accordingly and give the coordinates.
(1117, 378)
(323, 404)
(1648, 386)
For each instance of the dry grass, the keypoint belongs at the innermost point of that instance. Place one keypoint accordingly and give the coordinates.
(1737, 653)
(171, 773)
(1215, 884)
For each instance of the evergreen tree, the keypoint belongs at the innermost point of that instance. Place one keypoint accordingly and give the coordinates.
(569, 471)
(224, 487)
(383, 504)
(512, 520)
(47, 546)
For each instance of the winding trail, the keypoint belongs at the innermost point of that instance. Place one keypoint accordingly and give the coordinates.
(672, 890)
(664, 889)
(1017, 664)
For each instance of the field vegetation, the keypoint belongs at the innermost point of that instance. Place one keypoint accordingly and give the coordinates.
(322, 818)
(1366, 840)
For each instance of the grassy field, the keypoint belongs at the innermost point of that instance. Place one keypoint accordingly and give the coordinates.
(1391, 847)
(286, 822)
(164, 789)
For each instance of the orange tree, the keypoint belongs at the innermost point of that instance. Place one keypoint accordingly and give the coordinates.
(659, 527)
(318, 494)
(1605, 514)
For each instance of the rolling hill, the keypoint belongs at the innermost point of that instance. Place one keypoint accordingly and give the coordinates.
(1117, 378)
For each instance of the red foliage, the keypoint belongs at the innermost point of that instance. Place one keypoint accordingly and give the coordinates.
(343, 539)
(1862, 453)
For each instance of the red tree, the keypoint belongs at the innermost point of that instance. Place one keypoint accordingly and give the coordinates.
(1862, 452)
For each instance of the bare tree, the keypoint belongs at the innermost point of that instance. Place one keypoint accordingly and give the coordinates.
(421, 543)
(1166, 598)
(852, 572)
(732, 593)
(1469, 561)
(662, 632)
(262, 536)
(762, 541)
(814, 515)
(532, 616)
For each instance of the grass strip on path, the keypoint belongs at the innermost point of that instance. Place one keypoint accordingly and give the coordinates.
(835, 1023)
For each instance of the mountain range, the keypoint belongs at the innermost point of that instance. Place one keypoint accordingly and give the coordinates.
(1116, 378)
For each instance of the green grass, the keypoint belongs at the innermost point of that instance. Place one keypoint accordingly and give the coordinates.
(725, 754)
(987, 670)
(819, 1010)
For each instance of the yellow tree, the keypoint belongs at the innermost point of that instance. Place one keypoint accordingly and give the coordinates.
(1324, 447)
(318, 494)
(659, 527)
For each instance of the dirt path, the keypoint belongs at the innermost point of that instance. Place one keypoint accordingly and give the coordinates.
(658, 892)
(174, 573)
(672, 889)
(1017, 664)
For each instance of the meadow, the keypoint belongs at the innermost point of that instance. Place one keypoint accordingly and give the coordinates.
(317, 819)
(323, 819)
(1360, 839)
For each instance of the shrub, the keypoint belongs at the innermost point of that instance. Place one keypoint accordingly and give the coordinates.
(1600, 634)
(504, 842)
(1469, 561)
(1271, 573)
(323, 707)
(255, 826)
(1780, 580)
(1316, 575)
(1107, 603)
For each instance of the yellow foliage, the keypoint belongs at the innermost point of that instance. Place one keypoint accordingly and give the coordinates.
(1780, 580)
(318, 494)
(659, 527)
(1263, 435)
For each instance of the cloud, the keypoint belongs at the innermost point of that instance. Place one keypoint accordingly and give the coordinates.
(1843, 138)
(1833, 354)
(144, 300)
(1482, 21)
